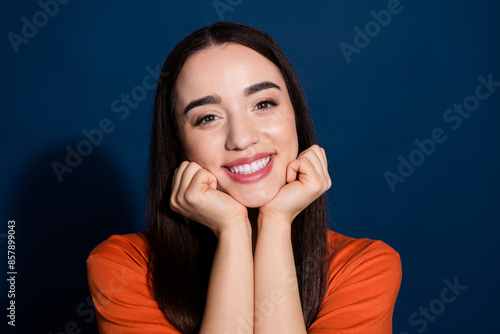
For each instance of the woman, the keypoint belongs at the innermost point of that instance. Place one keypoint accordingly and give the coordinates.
(237, 239)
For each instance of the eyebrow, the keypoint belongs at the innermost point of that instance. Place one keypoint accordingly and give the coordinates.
(211, 99)
(260, 86)
(214, 99)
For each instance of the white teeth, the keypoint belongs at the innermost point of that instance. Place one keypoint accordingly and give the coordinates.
(255, 166)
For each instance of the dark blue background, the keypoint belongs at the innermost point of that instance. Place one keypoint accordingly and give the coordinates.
(443, 220)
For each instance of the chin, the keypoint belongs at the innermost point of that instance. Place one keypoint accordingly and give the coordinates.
(255, 199)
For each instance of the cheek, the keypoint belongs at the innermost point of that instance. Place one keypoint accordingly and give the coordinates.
(283, 132)
(203, 151)
(280, 124)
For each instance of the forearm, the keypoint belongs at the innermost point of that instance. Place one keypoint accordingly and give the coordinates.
(230, 297)
(277, 299)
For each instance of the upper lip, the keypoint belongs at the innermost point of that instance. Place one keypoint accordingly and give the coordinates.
(247, 160)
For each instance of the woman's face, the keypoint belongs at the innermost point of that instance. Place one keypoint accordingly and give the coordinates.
(236, 120)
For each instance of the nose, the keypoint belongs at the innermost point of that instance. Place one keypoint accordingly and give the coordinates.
(242, 133)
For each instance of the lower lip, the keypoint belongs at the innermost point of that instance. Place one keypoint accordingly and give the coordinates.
(254, 177)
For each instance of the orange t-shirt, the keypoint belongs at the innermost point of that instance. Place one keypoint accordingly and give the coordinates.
(365, 276)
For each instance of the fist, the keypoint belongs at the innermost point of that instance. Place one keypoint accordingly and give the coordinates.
(195, 196)
(307, 179)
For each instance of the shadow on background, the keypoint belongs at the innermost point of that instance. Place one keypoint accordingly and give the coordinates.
(57, 225)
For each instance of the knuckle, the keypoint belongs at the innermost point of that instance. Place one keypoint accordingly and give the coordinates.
(173, 205)
(178, 199)
(200, 173)
(191, 197)
(193, 165)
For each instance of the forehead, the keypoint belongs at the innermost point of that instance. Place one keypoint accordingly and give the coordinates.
(224, 69)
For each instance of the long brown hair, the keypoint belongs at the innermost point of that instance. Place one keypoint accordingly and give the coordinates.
(181, 254)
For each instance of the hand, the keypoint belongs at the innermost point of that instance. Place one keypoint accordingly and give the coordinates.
(195, 196)
(307, 178)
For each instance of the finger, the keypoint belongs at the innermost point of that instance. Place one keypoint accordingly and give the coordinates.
(321, 155)
(203, 180)
(177, 178)
(324, 160)
(314, 147)
(311, 155)
(187, 176)
(304, 167)
(292, 172)
(200, 183)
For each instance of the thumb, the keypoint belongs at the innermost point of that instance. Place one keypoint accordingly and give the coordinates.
(209, 180)
(204, 180)
(292, 171)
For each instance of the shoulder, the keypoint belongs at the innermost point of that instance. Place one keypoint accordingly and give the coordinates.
(348, 254)
(362, 261)
(128, 248)
(364, 280)
(116, 265)
(117, 274)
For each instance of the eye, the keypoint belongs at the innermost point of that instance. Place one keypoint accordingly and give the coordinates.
(266, 104)
(206, 119)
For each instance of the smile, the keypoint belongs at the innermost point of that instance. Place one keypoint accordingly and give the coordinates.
(255, 166)
(250, 169)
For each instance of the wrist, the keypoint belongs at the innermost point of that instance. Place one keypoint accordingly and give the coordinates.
(238, 228)
(267, 220)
